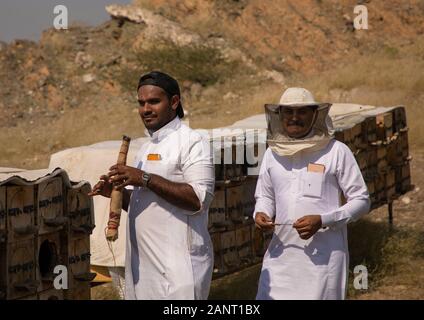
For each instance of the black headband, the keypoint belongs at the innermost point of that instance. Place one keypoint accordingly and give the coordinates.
(164, 81)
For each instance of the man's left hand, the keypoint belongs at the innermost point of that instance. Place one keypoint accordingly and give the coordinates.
(122, 176)
(307, 226)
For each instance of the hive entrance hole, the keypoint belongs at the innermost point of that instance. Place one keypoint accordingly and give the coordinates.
(47, 258)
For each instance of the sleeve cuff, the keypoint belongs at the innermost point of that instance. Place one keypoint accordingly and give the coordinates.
(328, 219)
(205, 198)
(265, 208)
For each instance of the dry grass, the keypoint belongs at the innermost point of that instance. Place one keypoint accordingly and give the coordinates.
(241, 285)
(396, 263)
(104, 292)
(31, 147)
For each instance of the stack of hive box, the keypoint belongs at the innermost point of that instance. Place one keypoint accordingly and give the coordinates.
(44, 223)
(379, 140)
(236, 241)
(376, 136)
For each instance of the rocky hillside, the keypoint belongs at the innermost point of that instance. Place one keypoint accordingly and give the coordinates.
(305, 36)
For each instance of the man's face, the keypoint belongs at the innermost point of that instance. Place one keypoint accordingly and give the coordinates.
(297, 121)
(155, 108)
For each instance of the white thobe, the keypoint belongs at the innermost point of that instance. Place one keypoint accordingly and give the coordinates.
(316, 268)
(169, 250)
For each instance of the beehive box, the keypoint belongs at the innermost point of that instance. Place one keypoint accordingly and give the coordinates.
(248, 197)
(3, 214)
(49, 255)
(261, 240)
(77, 256)
(37, 236)
(80, 212)
(52, 294)
(18, 269)
(384, 159)
(217, 215)
(51, 205)
(226, 255)
(20, 213)
(244, 243)
(234, 195)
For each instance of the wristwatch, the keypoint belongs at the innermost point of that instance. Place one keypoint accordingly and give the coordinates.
(145, 178)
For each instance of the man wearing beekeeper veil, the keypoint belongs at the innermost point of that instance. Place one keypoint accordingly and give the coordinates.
(303, 174)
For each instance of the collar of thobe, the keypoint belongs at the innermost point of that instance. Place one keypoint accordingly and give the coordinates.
(163, 132)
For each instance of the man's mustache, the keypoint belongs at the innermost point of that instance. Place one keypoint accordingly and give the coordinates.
(148, 114)
(296, 123)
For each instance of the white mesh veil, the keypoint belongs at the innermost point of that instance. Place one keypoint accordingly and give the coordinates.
(277, 138)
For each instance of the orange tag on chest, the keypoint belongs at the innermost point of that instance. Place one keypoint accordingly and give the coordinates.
(154, 157)
(316, 167)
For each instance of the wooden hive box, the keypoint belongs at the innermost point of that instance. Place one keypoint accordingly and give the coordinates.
(234, 204)
(248, 197)
(219, 173)
(49, 255)
(395, 156)
(52, 294)
(390, 185)
(219, 267)
(50, 206)
(3, 270)
(382, 163)
(78, 263)
(261, 240)
(369, 130)
(384, 126)
(258, 241)
(359, 140)
(226, 255)
(244, 243)
(80, 211)
(229, 252)
(31, 297)
(362, 158)
(20, 213)
(18, 270)
(217, 217)
(403, 178)
(3, 215)
(399, 118)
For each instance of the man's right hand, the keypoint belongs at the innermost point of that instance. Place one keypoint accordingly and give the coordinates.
(263, 222)
(103, 187)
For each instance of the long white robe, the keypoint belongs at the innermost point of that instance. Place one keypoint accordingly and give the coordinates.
(316, 268)
(169, 250)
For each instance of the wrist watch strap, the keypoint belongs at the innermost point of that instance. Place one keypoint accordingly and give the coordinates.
(145, 178)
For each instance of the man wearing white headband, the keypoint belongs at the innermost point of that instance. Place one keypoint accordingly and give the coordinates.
(303, 174)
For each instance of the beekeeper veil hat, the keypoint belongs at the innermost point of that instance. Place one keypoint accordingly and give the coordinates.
(319, 134)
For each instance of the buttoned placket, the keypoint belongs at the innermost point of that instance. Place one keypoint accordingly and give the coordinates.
(293, 186)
